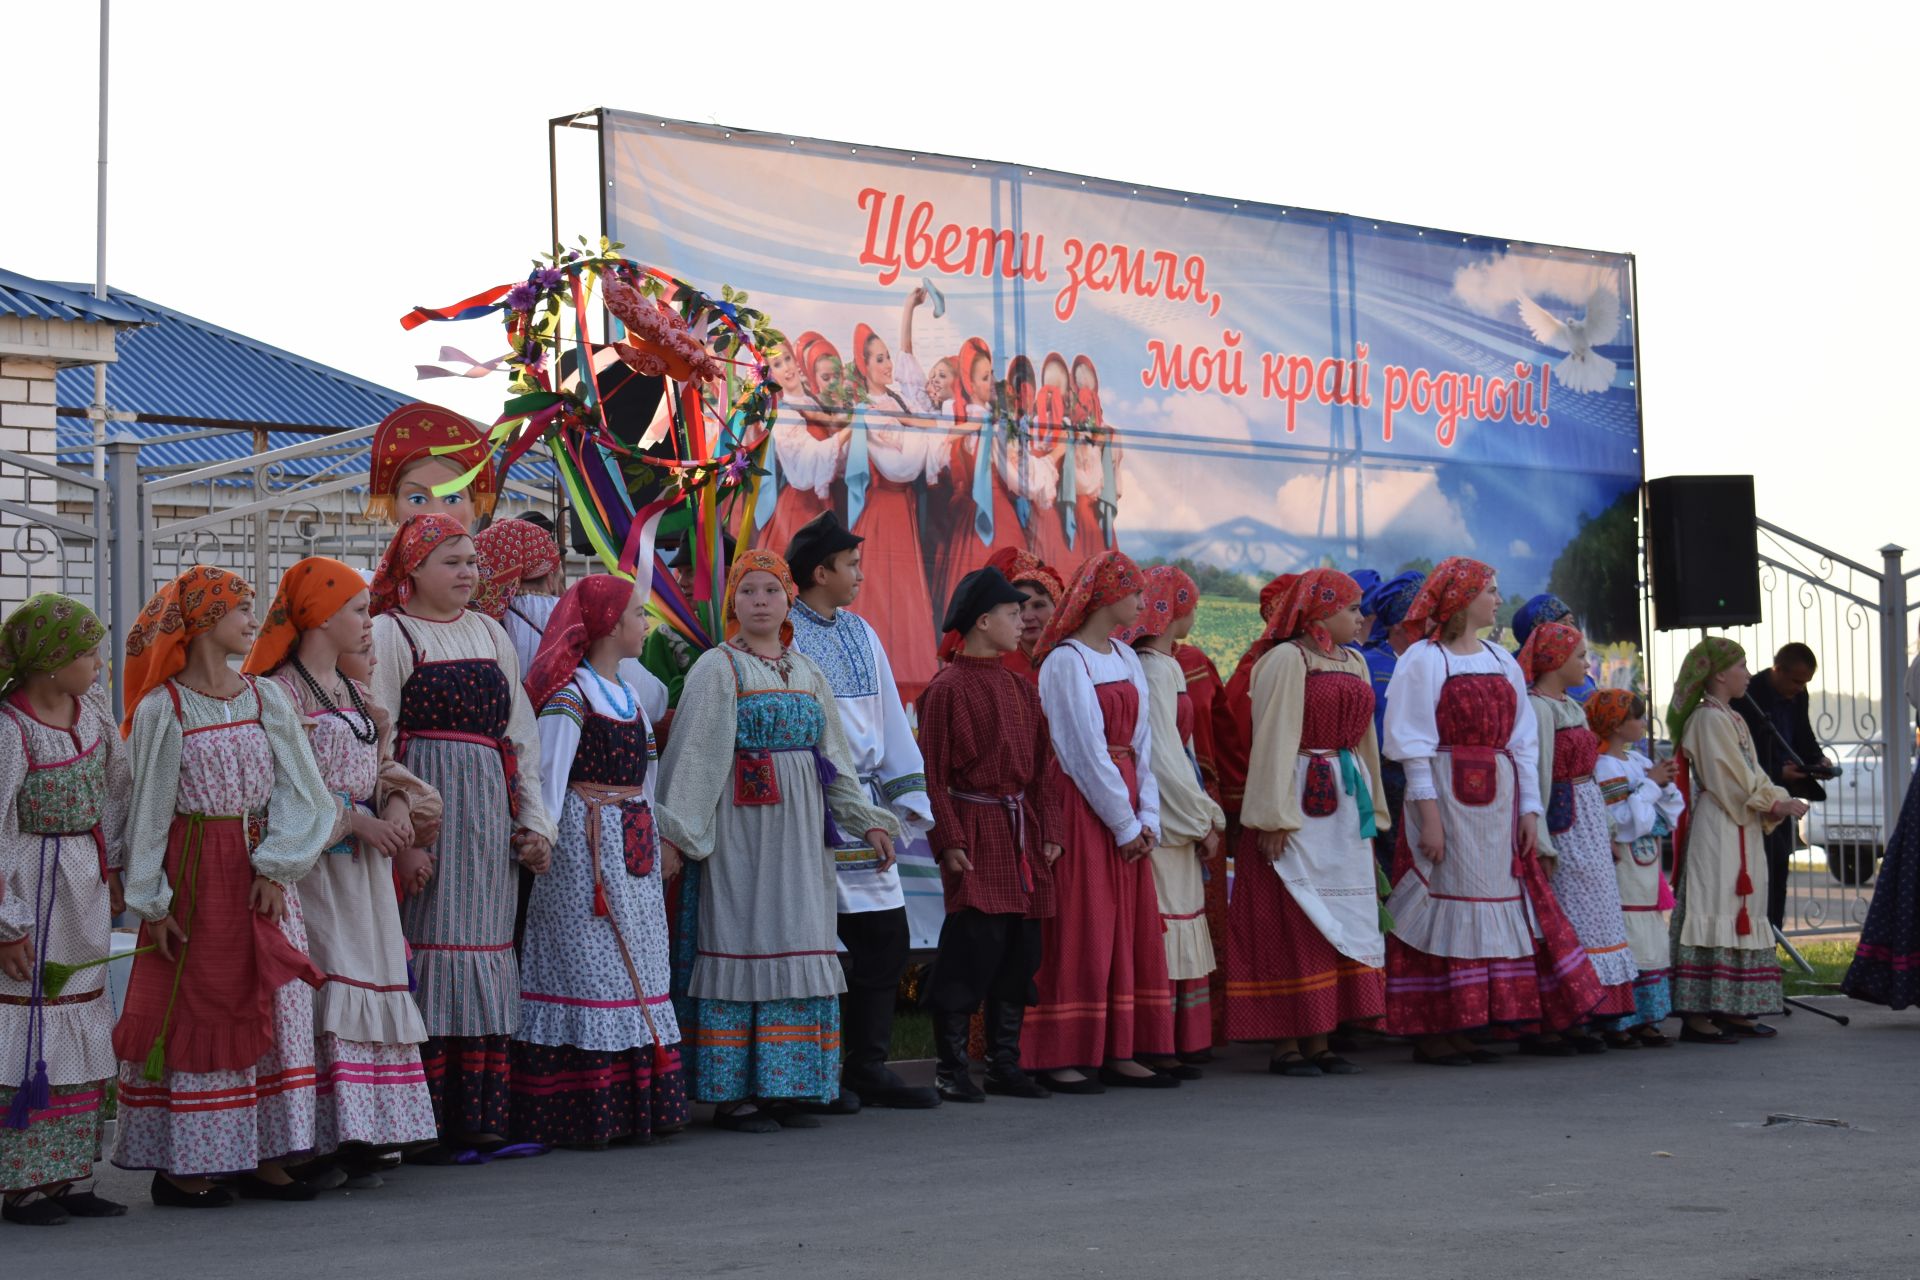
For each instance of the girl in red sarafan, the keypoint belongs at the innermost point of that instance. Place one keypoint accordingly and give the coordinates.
(1305, 950)
(1047, 445)
(809, 440)
(1103, 976)
(229, 812)
(1096, 465)
(967, 533)
(1478, 938)
(889, 519)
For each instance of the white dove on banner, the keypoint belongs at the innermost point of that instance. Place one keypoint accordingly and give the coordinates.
(1582, 370)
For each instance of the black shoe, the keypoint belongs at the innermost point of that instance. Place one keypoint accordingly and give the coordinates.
(1588, 1045)
(885, 1089)
(1117, 1079)
(1012, 1082)
(1548, 1049)
(1689, 1036)
(1293, 1063)
(1177, 1069)
(168, 1196)
(1335, 1065)
(251, 1186)
(1085, 1086)
(788, 1116)
(847, 1104)
(1197, 1058)
(1747, 1030)
(958, 1087)
(43, 1211)
(742, 1120)
(85, 1204)
(1443, 1059)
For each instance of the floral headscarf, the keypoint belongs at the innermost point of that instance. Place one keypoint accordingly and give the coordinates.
(45, 634)
(411, 433)
(418, 536)
(511, 551)
(185, 608)
(589, 611)
(762, 561)
(1311, 599)
(1451, 586)
(1170, 596)
(1020, 566)
(1100, 581)
(1548, 648)
(1607, 710)
(1703, 662)
(1274, 593)
(309, 593)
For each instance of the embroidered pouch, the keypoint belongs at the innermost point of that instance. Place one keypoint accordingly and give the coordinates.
(1320, 796)
(1476, 777)
(1560, 807)
(638, 843)
(754, 782)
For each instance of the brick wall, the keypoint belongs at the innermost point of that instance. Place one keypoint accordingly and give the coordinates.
(32, 557)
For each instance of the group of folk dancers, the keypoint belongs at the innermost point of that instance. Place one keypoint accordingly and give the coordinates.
(405, 877)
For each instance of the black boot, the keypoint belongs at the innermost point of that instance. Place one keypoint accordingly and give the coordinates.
(866, 1026)
(1004, 1075)
(953, 1077)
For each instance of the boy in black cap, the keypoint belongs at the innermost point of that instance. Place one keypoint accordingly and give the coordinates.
(824, 558)
(986, 747)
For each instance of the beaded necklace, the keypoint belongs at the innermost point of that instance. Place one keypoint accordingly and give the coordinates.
(330, 707)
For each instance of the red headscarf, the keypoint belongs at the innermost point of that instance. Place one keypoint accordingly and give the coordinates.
(810, 347)
(511, 551)
(1452, 585)
(972, 351)
(863, 336)
(309, 594)
(1022, 388)
(762, 561)
(589, 611)
(1050, 411)
(1103, 579)
(1313, 597)
(418, 536)
(1019, 565)
(1087, 402)
(1607, 710)
(1170, 596)
(183, 609)
(1274, 594)
(1548, 647)
(410, 434)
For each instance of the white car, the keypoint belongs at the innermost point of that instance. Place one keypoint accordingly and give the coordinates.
(1849, 825)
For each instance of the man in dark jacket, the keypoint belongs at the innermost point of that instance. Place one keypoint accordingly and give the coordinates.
(1776, 710)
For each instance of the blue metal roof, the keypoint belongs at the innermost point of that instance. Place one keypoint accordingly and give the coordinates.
(180, 366)
(44, 300)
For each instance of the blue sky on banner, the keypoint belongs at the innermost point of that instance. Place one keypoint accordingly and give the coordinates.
(1750, 162)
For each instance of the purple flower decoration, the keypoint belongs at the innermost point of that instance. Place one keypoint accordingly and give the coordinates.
(738, 464)
(522, 296)
(549, 278)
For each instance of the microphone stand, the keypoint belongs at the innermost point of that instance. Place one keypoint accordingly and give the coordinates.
(1780, 938)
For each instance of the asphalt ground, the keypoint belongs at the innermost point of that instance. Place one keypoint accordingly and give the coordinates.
(1644, 1163)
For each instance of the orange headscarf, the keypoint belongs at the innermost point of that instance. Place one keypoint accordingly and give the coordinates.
(310, 593)
(763, 561)
(418, 536)
(411, 433)
(1451, 586)
(1608, 709)
(183, 609)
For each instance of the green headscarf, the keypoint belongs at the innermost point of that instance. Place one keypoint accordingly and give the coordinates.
(45, 634)
(1703, 662)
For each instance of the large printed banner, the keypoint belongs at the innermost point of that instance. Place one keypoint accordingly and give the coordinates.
(983, 355)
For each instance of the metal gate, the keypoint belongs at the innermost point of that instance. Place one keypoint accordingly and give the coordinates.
(1858, 621)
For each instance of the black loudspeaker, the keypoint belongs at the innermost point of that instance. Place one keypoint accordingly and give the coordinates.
(1705, 559)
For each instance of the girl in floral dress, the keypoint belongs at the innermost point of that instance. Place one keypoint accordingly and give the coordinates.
(63, 793)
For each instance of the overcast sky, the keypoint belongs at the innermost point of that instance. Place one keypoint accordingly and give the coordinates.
(305, 174)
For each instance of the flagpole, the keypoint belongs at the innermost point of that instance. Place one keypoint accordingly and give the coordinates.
(99, 413)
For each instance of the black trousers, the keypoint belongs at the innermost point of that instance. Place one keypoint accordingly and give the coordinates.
(877, 943)
(984, 957)
(1780, 842)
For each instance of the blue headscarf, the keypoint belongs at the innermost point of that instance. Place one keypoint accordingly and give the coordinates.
(1542, 608)
(1389, 601)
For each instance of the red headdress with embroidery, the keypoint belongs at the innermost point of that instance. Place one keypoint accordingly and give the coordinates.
(1103, 579)
(1311, 598)
(1451, 586)
(415, 432)
(185, 608)
(1170, 595)
(417, 537)
(589, 611)
(511, 551)
(1548, 647)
